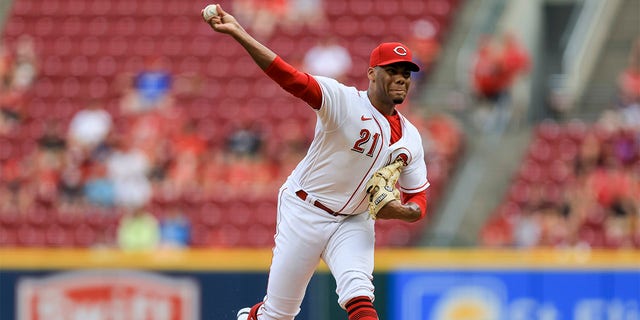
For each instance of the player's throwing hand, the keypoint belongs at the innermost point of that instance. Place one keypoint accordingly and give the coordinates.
(222, 22)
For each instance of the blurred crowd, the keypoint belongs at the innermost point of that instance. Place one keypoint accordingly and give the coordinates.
(147, 163)
(579, 184)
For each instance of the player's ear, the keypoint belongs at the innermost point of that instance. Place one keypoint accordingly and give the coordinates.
(371, 73)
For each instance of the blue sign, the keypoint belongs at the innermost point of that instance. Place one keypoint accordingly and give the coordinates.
(515, 295)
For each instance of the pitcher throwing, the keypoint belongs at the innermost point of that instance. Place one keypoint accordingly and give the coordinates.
(328, 205)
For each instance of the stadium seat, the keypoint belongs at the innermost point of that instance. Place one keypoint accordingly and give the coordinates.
(126, 8)
(359, 8)
(8, 237)
(210, 215)
(10, 220)
(387, 9)
(56, 236)
(16, 26)
(85, 44)
(44, 27)
(201, 236)
(239, 214)
(258, 236)
(38, 218)
(31, 236)
(541, 151)
(84, 236)
(229, 236)
(548, 130)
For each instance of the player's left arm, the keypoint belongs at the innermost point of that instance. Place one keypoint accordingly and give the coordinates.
(413, 209)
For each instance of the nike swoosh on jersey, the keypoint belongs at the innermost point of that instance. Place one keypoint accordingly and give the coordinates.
(363, 118)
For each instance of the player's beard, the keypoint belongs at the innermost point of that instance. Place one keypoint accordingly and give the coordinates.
(398, 100)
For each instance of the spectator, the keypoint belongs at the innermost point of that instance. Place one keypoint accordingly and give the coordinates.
(89, 127)
(245, 140)
(306, 13)
(496, 67)
(629, 88)
(6, 66)
(12, 96)
(426, 46)
(149, 89)
(127, 168)
(261, 16)
(629, 78)
(328, 58)
(98, 189)
(175, 230)
(25, 64)
(488, 79)
(52, 139)
(515, 58)
(70, 186)
(138, 230)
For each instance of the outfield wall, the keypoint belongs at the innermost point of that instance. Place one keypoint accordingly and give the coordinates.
(410, 284)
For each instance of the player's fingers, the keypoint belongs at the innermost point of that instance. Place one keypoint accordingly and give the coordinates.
(394, 178)
(397, 165)
(220, 11)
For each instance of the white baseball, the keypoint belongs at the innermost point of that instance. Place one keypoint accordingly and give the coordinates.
(210, 11)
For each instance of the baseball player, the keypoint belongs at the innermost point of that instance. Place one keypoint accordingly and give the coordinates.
(328, 205)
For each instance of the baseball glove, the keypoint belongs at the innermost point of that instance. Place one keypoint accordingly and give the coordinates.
(381, 187)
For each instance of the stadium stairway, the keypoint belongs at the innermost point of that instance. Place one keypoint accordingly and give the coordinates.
(483, 175)
(601, 89)
(4, 10)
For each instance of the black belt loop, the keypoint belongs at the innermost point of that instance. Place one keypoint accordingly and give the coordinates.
(303, 195)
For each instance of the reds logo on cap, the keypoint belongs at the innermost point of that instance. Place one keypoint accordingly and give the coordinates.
(392, 52)
(400, 50)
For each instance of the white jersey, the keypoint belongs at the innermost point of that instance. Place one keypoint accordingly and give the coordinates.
(352, 141)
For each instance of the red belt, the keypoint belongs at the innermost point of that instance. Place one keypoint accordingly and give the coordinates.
(303, 195)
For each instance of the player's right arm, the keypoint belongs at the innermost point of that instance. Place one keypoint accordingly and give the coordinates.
(227, 24)
(293, 81)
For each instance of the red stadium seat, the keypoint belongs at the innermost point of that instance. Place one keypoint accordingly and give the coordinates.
(541, 151)
(11, 220)
(39, 218)
(44, 27)
(239, 214)
(84, 236)
(359, 8)
(74, 8)
(258, 236)
(15, 26)
(386, 8)
(548, 130)
(127, 8)
(84, 45)
(210, 215)
(31, 236)
(335, 8)
(8, 237)
(202, 236)
(56, 236)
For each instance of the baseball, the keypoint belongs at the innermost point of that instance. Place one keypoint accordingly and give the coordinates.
(210, 11)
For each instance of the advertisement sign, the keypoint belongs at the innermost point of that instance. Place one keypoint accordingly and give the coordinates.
(515, 295)
(107, 295)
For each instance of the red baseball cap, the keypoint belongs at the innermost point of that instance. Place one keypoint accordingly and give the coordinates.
(392, 52)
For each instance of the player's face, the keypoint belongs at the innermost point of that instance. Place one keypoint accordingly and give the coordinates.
(395, 80)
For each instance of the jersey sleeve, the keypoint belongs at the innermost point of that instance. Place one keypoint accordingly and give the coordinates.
(299, 84)
(333, 111)
(414, 176)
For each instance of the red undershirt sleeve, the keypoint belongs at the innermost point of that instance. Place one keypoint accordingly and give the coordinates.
(419, 198)
(299, 84)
